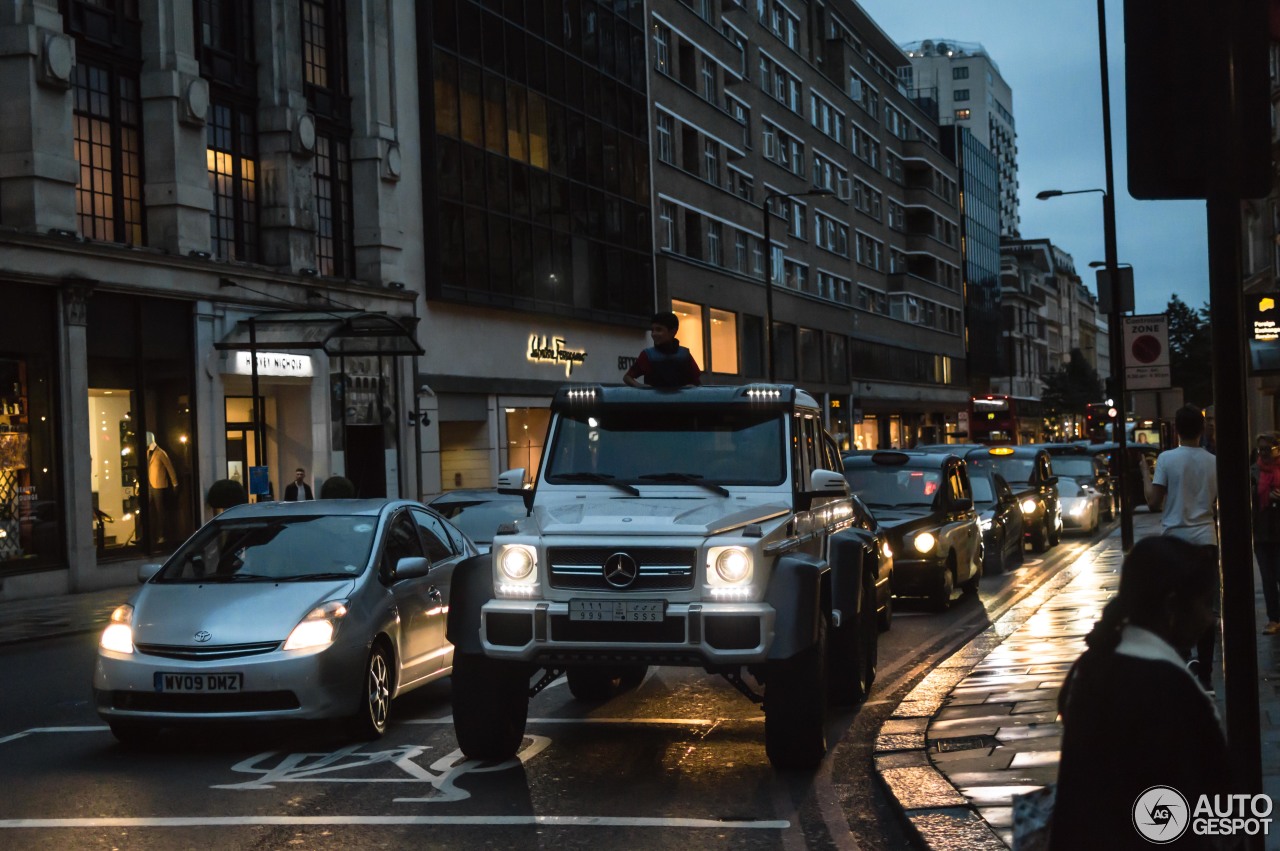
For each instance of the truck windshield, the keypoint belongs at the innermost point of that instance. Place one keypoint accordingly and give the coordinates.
(649, 446)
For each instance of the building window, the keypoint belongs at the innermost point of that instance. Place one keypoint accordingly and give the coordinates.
(666, 147)
(741, 251)
(962, 115)
(233, 179)
(662, 49)
(708, 76)
(960, 72)
(711, 161)
(334, 230)
(960, 94)
(324, 69)
(109, 148)
(715, 245)
(724, 342)
(690, 316)
(667, 226)
(810, 354)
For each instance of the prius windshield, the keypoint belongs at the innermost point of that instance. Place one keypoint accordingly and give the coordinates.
(639, 445)
(275, 549)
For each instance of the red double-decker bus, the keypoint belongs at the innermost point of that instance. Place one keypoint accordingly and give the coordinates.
(996, 420)
(1098, 417)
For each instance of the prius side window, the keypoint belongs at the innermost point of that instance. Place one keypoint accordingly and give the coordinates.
(402, 542)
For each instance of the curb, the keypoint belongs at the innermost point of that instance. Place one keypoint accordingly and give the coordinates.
(939, 814)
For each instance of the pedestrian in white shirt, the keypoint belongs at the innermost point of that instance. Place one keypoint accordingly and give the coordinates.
(1185, 485)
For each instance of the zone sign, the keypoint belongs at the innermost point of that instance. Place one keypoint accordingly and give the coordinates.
(1146, 351)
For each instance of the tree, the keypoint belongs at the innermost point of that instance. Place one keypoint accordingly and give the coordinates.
(1190, 351)
(1068, 390)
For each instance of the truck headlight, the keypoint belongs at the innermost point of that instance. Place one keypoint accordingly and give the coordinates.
(517, 562)
(732, 564)
(924, 542)
(118, 636)
(1028, 506)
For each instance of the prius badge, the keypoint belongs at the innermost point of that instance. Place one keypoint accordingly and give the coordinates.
(203, 635)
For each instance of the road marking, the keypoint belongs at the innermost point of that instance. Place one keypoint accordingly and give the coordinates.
(24, 733)
(684, 722)
(460, 821)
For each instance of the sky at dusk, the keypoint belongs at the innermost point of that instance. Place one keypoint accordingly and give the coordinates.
(1048, 54)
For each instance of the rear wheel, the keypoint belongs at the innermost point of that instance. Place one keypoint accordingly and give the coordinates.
(1040, 537)
(632, 675)
(490, 705)
(884, 619)
(370, 720)
(795, 702)
(852, 655)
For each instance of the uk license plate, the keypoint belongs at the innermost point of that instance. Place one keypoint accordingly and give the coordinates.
(170, 683)
(646, 611)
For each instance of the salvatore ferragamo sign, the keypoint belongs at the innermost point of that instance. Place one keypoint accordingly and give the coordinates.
(552, 350)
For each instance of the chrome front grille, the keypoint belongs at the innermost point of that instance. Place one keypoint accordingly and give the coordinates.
(660, 568)
(197, 653)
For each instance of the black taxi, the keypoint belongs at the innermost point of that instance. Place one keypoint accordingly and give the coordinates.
(1029, 471)
(924, 504)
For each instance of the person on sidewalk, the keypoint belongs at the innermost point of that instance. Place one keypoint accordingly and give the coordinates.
(666, 363)
(1133, 716)
(1185, 486)
(298, 490)
(1265, 476)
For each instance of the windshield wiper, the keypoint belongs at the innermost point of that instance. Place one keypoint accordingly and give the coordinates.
(686, 478)
(243, 577)
(598, 478)
(315, 577)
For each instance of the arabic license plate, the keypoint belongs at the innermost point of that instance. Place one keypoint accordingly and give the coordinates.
(648, 611)
(169, 683)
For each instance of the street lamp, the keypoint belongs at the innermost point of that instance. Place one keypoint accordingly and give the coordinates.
(768, 267)
(1116, 313)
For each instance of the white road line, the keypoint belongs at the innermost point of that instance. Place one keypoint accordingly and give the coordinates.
(461, 821)
(88, 729)
(682, 722)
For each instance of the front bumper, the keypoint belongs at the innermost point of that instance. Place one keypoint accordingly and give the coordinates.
(917, 577)
(298, 684)
(690, 634)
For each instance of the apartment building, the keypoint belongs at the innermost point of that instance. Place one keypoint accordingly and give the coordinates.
(807, 226)
(202, 205)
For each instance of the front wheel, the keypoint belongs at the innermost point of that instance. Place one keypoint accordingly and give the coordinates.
(1055, 531)
(970, 585)
(370, 720)
(490, 705)
(795, 699)
(852, 655)
(941, 597)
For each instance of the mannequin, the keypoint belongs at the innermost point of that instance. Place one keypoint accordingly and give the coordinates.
(160, 478)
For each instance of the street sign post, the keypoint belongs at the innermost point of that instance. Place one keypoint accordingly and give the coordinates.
(1146, 352)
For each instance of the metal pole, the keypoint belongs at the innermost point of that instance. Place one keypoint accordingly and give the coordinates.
(768, 290)
(1117, 308)
(253, 389)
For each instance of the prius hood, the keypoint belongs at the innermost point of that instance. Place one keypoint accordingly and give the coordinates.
(677, 515)
(231, 613)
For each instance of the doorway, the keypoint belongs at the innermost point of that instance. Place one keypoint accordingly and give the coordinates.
(366, 462)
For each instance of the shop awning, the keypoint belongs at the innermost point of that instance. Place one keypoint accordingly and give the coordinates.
(338, 333)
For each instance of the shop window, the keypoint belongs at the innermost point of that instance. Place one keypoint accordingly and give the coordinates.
(30, 502)
(866, 434)
(724, 342)
(690, 331)
(139, 406)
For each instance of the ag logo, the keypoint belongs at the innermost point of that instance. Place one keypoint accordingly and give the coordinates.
(1161, 815)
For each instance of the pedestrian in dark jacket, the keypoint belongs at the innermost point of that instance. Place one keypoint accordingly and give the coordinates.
(1133, 715)
(1265, 476)
(666, 363)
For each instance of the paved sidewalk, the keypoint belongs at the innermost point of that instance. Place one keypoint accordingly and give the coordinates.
(983, 727)
(66, 614)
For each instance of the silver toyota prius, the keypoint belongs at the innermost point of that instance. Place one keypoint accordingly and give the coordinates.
(284, 610)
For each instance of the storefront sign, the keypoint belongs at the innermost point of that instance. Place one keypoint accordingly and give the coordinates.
(271, 364)
(1264, 332)
(551, 350)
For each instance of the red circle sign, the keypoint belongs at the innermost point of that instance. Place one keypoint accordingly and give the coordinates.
(1146, 348)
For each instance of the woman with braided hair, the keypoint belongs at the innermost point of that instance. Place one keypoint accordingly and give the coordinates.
(1134, 717)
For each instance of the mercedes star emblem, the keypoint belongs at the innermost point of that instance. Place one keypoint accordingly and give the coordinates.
(203, 635)
(620, 570)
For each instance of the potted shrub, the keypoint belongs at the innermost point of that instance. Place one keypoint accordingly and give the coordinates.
(226, 493)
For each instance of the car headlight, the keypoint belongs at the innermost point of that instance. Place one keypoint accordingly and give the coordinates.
(1028, 506)
(118, 636)
(888, 550)
(731, 565)
(517, 563)
(985, 523)
(1078, 509)
(318, 628)
(924, 542)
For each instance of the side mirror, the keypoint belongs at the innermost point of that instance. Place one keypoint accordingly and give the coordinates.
(511, 482)
(962, 504)
(1052, 480)
(412, 567)
(146, 571)
(828, 482)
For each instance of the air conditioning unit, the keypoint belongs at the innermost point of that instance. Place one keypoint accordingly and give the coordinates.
(844, 188)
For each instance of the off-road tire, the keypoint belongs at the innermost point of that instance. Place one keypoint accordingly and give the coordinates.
(632, 676)
(852, 655)
(795, 701)
(490, 705)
